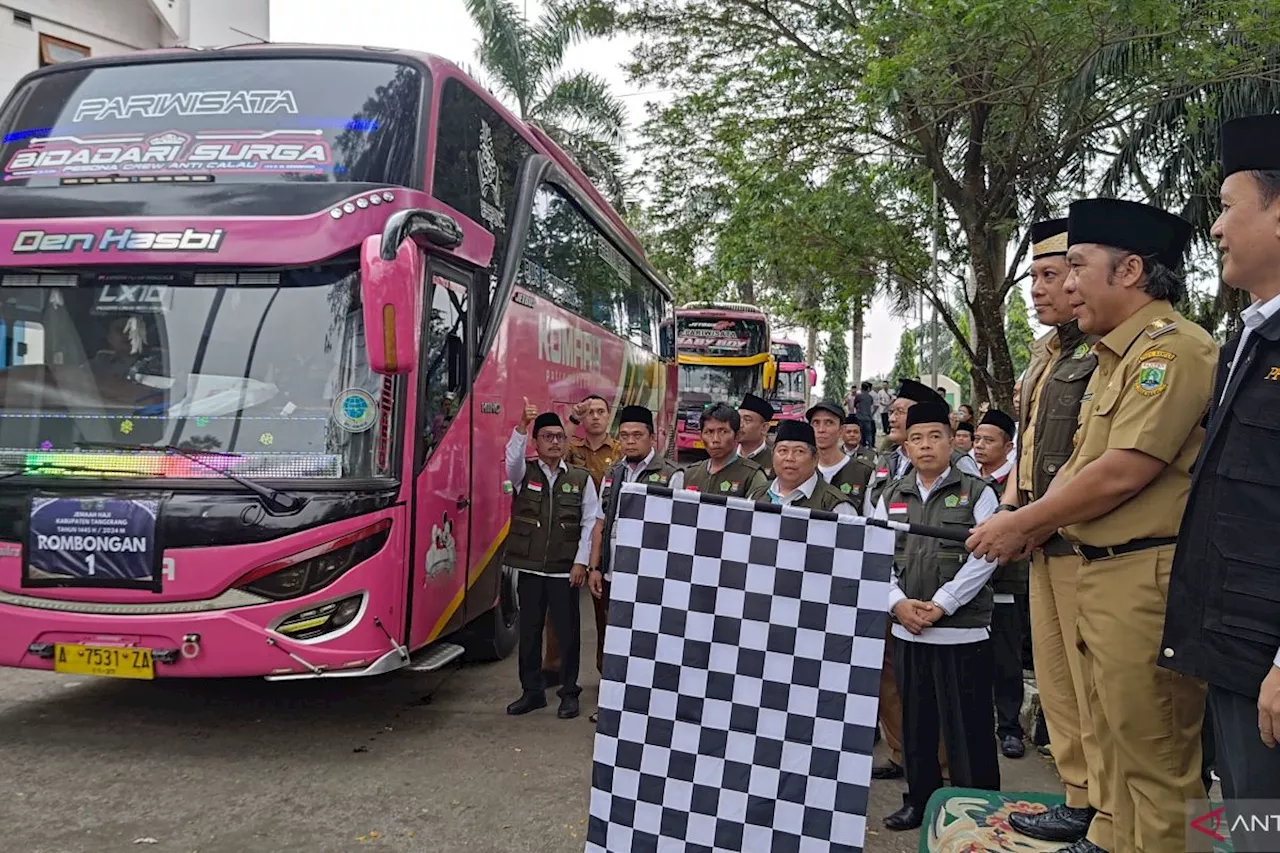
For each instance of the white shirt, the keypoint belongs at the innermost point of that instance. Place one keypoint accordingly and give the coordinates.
(590, 499)
(829, 471)
(1002, 471)
(957, 592)
(804, 490)
(1254, 316)
(630, 471)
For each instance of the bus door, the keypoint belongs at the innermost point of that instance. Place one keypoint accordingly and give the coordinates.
(442, 514)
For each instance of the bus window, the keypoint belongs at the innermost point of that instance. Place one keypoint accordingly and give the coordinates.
(444, 362)
(23, 343)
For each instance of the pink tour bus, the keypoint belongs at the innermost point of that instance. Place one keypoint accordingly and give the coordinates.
(723, 352)
(795, 381)
(267, 317)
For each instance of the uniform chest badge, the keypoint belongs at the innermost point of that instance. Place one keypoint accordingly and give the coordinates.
(952, 501)
(725, 485)
(692, 489)
(535, 486)
(881, 473)
(1152, 377)
(964, 499)
(1080, 351)
(608, 481)
(655, 478)
(846, 488)
(897, 509)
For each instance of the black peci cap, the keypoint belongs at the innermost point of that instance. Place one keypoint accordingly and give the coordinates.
(825, 406)
(1130, 227)
(1250, 143)
(636, 415)
(1048, 238)
(759, 405)
(544, 420)
(964, 426)
(909, 389)
(997, 418)
(794, 431)
(929, 412)
(851, 418)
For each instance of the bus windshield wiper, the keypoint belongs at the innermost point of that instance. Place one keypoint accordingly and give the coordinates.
(273, 499)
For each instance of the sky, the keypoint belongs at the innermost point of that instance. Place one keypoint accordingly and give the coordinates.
(442, 27)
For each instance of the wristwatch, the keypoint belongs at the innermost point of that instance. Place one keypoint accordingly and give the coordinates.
(1006, 508)
(573, 419)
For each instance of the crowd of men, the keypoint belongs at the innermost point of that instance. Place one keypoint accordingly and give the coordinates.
(1127, 498)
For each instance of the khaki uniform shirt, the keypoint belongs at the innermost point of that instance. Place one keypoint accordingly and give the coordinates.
(1047, 349)
(596, 461)
(1150, 393)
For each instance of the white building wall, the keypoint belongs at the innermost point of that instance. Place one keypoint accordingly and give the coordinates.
(214, 23)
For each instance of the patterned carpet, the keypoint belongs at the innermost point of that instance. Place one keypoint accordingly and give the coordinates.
(966, 820)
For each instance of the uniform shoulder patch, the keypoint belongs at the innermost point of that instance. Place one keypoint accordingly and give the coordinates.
(1160, 326)
(1081, 350)
(1152, 376)
(1163, 355)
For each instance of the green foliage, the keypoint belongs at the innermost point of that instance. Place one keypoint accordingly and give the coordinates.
(906, 364)
(835, 369)
(1018, 331)
(792, 119)
(577, 110)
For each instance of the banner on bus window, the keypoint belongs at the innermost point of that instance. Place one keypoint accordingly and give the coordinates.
(92, 541)
(173, 151)
(720, 336)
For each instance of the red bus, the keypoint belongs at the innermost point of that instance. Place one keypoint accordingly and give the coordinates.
(267, 317)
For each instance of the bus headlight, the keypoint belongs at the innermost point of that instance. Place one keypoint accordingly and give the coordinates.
(318, 621)
(315, 568)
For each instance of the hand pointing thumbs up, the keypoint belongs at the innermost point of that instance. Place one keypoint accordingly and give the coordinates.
(527, 416)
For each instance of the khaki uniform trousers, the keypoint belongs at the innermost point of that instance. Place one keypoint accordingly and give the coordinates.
(1146, 718)
(890, 710)
(1063, 695)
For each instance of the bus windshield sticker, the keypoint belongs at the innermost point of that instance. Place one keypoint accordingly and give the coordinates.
(133, 299)
(118, 240)
(162, 104)
(90, 541)
(355, 410)
(172, 151)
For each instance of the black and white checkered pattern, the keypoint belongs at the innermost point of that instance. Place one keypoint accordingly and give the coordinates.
(741, 677)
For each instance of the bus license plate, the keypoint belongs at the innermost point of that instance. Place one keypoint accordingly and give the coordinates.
(105, 661)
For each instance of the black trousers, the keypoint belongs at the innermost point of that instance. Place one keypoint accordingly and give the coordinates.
(868, 427)
(1023, 602)
(1208, 756)
(539, 596)
(947, 689)
(1007, 687)
(1247, 768)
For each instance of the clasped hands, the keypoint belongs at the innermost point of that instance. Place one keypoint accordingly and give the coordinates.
(916, 615)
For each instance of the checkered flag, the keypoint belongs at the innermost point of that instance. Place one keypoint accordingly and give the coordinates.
(741, 677)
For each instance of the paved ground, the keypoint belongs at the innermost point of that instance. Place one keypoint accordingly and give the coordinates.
(404, 763)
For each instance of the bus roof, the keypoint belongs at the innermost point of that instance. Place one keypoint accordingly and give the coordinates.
(721, 308)
(437, 65)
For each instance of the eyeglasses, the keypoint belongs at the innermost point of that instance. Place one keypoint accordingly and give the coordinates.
(552, 437)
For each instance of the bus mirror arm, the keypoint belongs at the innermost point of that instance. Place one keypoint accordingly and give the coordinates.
(436, 228)
(391, 295)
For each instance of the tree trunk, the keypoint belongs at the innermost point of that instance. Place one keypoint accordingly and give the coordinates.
(747, 291)
(811, 346)
(856, 322)
(993, 384)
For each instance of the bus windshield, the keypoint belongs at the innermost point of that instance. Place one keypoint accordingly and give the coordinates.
(231, 120)
(721, 384)
(737, 337)
(268, 368)
(793, 386)
(788, 352)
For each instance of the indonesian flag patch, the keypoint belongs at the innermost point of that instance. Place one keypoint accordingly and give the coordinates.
(897, 509)
(535, 486)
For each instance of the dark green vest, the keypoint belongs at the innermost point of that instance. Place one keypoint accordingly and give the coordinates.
(546, 522)
(852, 481)
(741, 478)
(882, 477)
(1012, 577)
(657, 473)
(825, 497)
(924, 564)
(765, 459)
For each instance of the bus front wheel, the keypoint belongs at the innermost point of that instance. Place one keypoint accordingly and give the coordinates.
(494, 635)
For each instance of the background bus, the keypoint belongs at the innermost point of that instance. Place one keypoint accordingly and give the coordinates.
(269, 314)
(795, 381)
(723, 352)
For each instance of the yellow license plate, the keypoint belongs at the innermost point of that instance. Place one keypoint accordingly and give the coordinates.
(698, 445)
(106, 661)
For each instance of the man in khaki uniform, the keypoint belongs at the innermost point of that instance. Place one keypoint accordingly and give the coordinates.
(1049, 401)
(596, 451)
(1119, 501)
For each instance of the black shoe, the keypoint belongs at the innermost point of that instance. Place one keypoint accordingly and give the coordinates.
(594, 718)
(907, 817)
(1060, 823)
(551, 677)
(526, 703)
(568, 707)
(1012, 747)
(887, 771)
(1084, 845)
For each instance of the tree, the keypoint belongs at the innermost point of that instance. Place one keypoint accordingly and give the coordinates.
(578, 110)
(835, 369)
(1005, 107)
(906, 365)
(1018, 331)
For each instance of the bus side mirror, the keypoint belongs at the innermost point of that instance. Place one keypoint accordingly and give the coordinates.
(813, 376)
(391, 291)
(770, 374)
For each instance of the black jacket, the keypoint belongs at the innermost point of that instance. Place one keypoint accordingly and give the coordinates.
(1222, 621)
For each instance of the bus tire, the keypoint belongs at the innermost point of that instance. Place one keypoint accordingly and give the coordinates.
(495, 634)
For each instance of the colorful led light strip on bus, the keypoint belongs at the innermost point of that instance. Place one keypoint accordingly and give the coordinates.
(258, 466)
